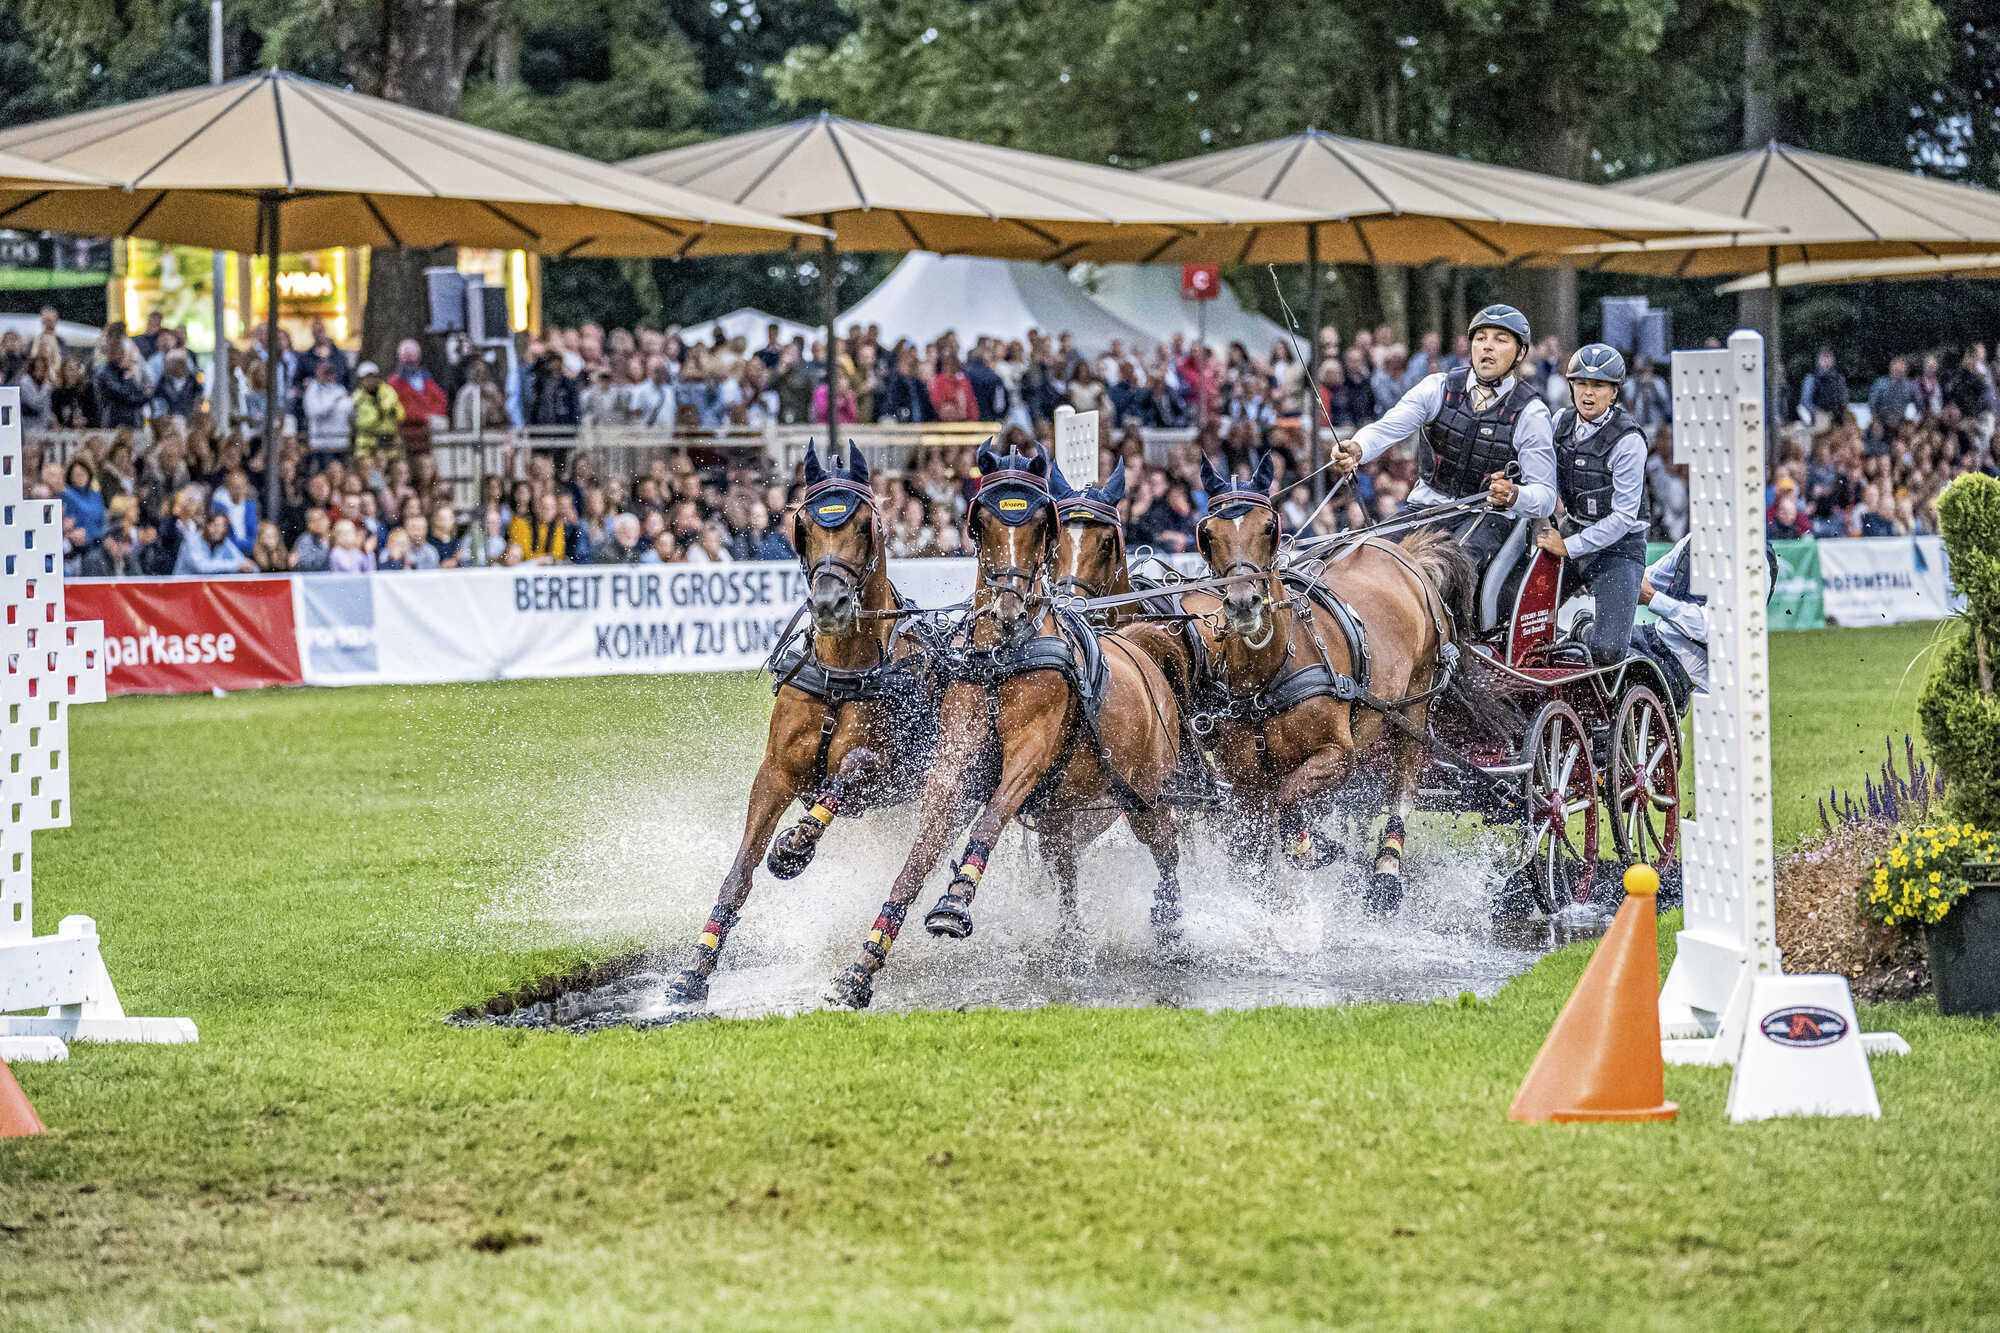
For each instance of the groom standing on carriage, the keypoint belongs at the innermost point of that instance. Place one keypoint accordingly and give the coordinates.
(1471, 424)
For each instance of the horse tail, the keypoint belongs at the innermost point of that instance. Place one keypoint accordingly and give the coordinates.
(1442, 561)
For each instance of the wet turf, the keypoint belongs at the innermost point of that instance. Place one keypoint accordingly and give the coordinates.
(313, 877)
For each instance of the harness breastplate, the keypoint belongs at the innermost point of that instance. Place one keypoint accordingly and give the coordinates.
(1461, 448)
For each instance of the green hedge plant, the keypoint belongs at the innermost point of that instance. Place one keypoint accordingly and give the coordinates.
(1960, 708)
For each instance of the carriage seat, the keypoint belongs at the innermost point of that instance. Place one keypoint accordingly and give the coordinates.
(1501, 579)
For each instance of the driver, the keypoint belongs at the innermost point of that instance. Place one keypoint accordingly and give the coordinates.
(1601, 477)
(1473, 422)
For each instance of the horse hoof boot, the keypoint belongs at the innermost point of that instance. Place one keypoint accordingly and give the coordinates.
(1384, 894)
(1312, 852)
(787, 860)
(951, 918)
(690, 987)
(1170, 946)
(852, 989)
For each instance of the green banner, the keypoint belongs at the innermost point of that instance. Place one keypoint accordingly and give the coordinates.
(1799, 602)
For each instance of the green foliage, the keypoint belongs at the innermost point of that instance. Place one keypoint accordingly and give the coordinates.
(1960, 706)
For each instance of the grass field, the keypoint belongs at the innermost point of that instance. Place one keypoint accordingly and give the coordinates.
(305, 874)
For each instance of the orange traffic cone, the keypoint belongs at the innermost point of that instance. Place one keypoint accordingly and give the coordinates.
(1602, 1058)
(17, 1118)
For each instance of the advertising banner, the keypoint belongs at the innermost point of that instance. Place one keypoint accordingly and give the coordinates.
(1796, 601)
(1885, 581)
(173, 636)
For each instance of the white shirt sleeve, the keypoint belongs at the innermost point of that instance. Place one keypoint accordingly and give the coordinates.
(1411, 413)
(1628, 484)
(1690, 618)
(1535, 442)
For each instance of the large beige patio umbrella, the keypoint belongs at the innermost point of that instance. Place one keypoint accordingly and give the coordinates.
(28, 174)
(273, 160)
(1871, 270)
(878, 188)
(1377, 203)
(1832, 209)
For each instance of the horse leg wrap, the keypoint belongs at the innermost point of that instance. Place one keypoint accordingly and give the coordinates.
(951, 918)
(1166, 911)
(882, 937)
(793, 849)
(1304, 848)
(1385, 889)
(691, 985)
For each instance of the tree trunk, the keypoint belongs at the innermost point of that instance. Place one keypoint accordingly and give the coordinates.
(1392, 281)
(418, 56)
(507, 56)
(1548, 295)
(1460, 314)
(1432, 280)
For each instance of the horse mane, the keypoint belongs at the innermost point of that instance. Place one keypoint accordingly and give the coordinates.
(1440, 558)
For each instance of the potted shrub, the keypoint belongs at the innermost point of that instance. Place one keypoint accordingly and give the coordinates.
(1961, 717)
(1942, 879)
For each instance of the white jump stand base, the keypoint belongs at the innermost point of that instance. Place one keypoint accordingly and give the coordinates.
(65, 972)
(1692, 1036)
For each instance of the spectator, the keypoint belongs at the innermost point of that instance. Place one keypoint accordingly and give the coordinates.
(329, 415)
(149, 341)
(212, 550)
(904, 396)
(1929, 390)
(711, 547)
(537, 537)
(111, 558)
(269, 553)
(622, 548)
(1892, 400)
(37, 383)
(1785, 521)
(444, 538)
(235, 501)
(552, 396)
(378, 417)
(81, 500)
(177, 393)
(421, 396)
(1823, 396)
(415, 531)
(1647, 399)
(312, 553)
(480, 404)
(121, 397)
(349, 555)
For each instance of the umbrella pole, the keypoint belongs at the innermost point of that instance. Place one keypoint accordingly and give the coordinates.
(827, 259)
(1313, 320)
(267, 217)
(1774, 355)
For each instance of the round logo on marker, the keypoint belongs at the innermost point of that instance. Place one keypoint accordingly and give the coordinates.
(1805, 1025)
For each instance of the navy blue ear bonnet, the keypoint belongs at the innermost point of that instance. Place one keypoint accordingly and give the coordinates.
(1093, 504)
(833, 496)
(1228, 496)
(1012, 487)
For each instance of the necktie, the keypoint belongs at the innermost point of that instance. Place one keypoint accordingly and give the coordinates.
(1482, 396)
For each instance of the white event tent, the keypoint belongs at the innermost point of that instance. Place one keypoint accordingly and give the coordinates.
(749, 324)
(928, 294)
(1149, 295)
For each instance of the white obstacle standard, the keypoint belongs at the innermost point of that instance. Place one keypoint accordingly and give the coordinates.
(1728, 940)
(50, 664)
(1076, 446)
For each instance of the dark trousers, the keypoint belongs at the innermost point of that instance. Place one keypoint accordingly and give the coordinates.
(1613, 577)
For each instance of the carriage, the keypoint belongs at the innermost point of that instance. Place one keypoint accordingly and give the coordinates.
(1570, 743)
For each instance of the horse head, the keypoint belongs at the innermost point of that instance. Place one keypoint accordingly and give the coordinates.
(1240, 536)
(839, 554)
(1012, 525)
(1090, 540)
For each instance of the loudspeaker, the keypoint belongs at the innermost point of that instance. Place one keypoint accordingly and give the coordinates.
(446, 288)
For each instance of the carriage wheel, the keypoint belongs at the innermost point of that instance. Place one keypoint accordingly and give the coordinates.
(1645, 780)
(1562, 808)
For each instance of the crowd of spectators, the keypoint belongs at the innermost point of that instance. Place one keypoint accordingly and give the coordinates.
(152, 484)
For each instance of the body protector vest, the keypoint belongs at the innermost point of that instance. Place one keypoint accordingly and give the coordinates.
(1584, 478)
(1460, 447)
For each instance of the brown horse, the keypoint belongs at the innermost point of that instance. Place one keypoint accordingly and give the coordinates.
(1294, 696)
(856, 707)
(1019, 677)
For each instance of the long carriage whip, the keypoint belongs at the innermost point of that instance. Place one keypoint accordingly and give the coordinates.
(1312, 391)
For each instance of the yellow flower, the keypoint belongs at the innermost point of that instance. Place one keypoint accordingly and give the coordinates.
(1936, 877)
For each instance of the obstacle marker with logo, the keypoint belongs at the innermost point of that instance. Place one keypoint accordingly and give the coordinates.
(1793, 1040)
(50, 664)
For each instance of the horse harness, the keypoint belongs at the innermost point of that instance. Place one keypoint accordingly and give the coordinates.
(891, 679)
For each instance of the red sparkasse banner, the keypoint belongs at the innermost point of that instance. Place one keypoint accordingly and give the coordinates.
(183, 636)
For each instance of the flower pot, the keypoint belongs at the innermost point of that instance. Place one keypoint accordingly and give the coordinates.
(1965, 948)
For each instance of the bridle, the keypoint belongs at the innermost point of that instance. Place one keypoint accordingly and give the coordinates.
(1075, 586)
(1016, 581)
(855, 576)
(1241, 566)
